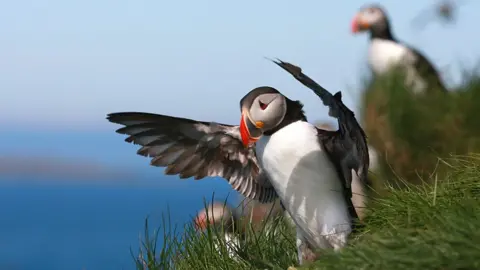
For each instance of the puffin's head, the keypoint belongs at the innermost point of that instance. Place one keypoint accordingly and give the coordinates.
(217, 214)
(370, 18)
(262, 109)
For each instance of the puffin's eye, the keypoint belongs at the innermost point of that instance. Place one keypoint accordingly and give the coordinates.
(263, 106)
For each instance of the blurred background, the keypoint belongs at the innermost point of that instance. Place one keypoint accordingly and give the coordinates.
(74, 195)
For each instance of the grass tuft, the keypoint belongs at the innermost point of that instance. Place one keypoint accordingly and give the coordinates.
(411, 131)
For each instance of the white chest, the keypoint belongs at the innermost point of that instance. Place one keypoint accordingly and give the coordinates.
(305, 180)
(383, 54)
(231, 245)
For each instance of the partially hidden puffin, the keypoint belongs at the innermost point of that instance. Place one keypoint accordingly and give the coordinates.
(259, 214)
(386, 52)
(226, 221)
(231, 223)
(274, 152)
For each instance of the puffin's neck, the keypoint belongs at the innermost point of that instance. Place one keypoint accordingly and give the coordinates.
(382, 33)
(294, 113)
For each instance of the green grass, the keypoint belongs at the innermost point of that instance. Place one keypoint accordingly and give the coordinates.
(410, 132)
(427, 226)
(206, 250)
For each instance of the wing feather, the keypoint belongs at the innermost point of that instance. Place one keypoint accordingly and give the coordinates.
(190, 148)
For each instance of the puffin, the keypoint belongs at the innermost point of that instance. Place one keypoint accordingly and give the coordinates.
(226, 220)
(274, 152)
(386, 52)
(232, 223)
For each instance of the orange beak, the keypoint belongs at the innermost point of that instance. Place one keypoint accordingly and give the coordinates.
(358, 25)
(200, 223)
(250, 132)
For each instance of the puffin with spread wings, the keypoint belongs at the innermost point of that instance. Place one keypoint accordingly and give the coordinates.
(273, 152)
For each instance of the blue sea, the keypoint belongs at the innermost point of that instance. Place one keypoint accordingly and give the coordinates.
(73, 224)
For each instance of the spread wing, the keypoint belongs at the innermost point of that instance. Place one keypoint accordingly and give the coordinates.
(196, 149)
(348, 145)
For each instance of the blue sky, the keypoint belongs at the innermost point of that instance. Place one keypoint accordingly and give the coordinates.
(65, 64)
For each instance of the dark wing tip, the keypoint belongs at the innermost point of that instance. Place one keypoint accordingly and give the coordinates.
(113, 118)
(110, 116)
(338, 96)
(122, 118)
(116, 117)
(291, 68)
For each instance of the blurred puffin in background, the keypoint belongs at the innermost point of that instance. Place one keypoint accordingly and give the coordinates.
(226, 221)
(235, 221)
(444, 11)
(386, 52)
(257, 213)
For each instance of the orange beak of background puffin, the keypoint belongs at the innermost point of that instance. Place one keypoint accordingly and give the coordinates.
(249, 131)
(358, 25)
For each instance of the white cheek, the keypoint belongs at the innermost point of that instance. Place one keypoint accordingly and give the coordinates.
(256, 114)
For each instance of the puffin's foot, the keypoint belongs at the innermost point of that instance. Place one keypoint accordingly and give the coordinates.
(309, 255)
(304, 250)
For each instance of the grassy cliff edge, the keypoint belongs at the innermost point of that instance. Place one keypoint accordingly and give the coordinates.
(423, 214)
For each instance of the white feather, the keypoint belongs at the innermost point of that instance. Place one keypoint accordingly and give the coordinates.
(373, 157)
(359, 196)
(385, 54)
(307, 183)
(231, 245)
